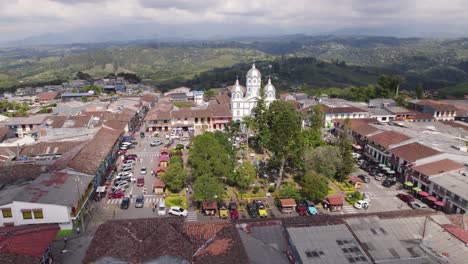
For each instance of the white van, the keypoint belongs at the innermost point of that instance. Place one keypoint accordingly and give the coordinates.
(162, 208)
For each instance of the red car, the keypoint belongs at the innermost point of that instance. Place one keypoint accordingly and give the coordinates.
(116, 195)
(140, 182)
(301, 208)
(406, 198)
(233, 211)
(131, 156)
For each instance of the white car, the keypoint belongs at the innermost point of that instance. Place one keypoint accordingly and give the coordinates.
(126, 144)
(143, 171)
(162, 208)
(178, 211)
(361, 204)
(416, 205)
(123, 174)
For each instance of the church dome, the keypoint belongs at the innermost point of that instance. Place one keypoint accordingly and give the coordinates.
(253, 72)
(269, 87)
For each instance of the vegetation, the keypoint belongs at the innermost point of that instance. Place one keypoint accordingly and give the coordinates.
(289, 190)
(207, 188)
(174, 177)
(345, 148)
(324, 160)
(13, 108)
(244, 176)
(314, 186)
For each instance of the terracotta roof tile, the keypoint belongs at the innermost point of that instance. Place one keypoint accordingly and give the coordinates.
(413, 152)
(22, 243)
(287, 202)
(47, 96)
(388, 138)
(44, 148)
(438, 167)
(458, 232)
(438, 106)
(335, 200)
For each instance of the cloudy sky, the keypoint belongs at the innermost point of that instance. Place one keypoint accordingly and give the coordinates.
(207, 18)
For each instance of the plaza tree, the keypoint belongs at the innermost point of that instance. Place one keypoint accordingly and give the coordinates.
(289, 190)
(285, 141)
(207, 188)
(244, 176)
(260, 117)
(344, 145)
(324, 160)
(174, 177)
(208, 157)
(314, 186)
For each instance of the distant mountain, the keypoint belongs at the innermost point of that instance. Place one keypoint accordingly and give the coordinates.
(436, 63)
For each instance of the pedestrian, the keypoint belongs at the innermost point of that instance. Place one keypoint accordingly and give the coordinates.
(153, 206)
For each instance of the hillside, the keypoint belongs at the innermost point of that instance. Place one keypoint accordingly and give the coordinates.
(148, 62)
(334, 61)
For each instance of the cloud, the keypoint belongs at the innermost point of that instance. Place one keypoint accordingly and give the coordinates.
(35, 17)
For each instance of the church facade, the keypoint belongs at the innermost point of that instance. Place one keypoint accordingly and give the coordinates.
(244, 99)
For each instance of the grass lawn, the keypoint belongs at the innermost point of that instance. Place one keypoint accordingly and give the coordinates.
(64, 232)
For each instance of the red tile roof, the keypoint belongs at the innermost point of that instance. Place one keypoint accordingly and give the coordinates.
(335, 200)
(413, 152)
(47, 96)
(438, 167)
(341, 109)
(355, 179)
(287, 202)
(22, 243)
(436, 105)
(458, 232)
(361, 126)
(388, 138)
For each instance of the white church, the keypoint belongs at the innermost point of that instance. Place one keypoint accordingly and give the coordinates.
(243, 100)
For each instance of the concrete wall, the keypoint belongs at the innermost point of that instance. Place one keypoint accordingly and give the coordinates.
(52, 214)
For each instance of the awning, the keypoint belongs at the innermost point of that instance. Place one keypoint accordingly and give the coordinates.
(409, 184)
(356, 146)
(431, 198)
(423, 194)
(417, 189)
(101, 189)
(439, 203)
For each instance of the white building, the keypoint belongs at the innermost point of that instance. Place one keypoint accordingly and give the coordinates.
(243, 103)
(52, 198)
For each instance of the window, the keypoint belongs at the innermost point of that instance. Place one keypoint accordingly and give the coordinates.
(6, 212)
(38, 214)
(27, 214)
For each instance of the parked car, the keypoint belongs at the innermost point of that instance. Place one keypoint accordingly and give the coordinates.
(124, 147)
(140, 182)
(301, 207)
(131, 156)
(233, 211)
(142, 134)
(364, 178)
(156, 143)
(139, 201)
(143, 171)
(252, 210)
(122, 183)
(185, 138)
(126, 169)
(123, 174)
(128, 162)
(311, 208)
(117, 188)
(162, 208)
(223, 211)
(405, 198)
(125, 203)
(388, 183)
(361, 204)
(416, 205)
(379, 177)
(372, 171)
(178, 211)
(261, 208)
(116, 195)
(125, 144)
(130, 165)
(127, 178)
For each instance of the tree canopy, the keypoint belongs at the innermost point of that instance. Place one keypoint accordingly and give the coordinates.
(208, 157)
(289, 190)
(207, 188)
(174, 177)
(314, 186)
(345, 147)
(244, 176)
(324, 160)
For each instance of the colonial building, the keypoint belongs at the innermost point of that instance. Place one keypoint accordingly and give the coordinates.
(244, 100)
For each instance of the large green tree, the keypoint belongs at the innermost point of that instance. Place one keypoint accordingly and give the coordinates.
(312, 138)
(317, 118)
(244, 176)
(174, 177)
(324, 160)
(260, 116)
(208, 157)
(391, 83)
(289, 190)
(207, 188)
(344, 145)
(286, 138)
(314, 186)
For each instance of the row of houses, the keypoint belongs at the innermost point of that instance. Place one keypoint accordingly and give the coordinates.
(430, 156)
(53, 178)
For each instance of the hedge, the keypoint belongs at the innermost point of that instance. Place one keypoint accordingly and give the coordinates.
(176, 201)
